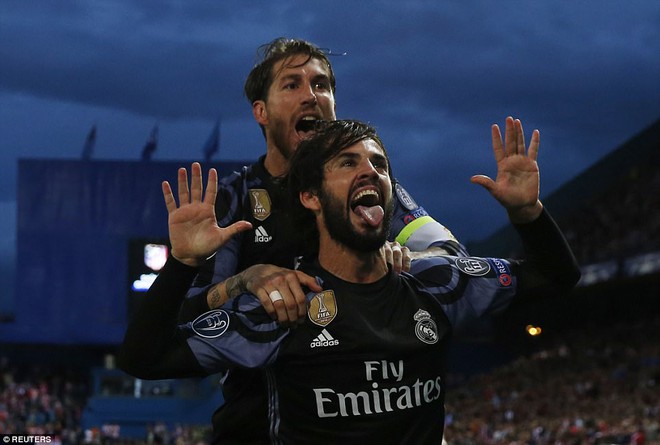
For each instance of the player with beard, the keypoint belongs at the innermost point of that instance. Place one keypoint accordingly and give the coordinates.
(369, 361)
(290, 90)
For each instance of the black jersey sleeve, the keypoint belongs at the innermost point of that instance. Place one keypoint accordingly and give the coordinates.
(549, 266)
(153, 346)
(471, 287)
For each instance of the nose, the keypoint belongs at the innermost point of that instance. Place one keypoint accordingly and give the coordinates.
(309, 96)
(367, 169)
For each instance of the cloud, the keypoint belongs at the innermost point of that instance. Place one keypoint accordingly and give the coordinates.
(432, 76)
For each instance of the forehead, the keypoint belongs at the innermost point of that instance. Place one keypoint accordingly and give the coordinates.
(367, 147)
(296, 65)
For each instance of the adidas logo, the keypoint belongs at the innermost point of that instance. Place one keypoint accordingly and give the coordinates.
(323, 339)
(261, 236)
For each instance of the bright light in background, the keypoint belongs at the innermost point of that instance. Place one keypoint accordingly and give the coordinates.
(533, 331)
(155, 256)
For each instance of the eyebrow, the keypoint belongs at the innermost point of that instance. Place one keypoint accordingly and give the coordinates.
(349, 155)
(288, 77)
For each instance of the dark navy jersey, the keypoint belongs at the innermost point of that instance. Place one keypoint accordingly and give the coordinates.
(255, 196)
(369, 360)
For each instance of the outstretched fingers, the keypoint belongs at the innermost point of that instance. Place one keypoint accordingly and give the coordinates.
(510, 139)
(520, 137)
(182, 185)
(196, 190)
(498, 146)
(514, 140)
(195, 193)
(170, 203)
(534, 145)
(211, 187)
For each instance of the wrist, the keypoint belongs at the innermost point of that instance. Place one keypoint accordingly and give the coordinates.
(188, 261)
(526, 214)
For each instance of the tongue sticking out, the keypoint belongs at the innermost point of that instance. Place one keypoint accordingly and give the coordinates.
(372, 215)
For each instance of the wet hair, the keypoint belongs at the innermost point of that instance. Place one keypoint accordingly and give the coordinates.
(306, 171)
(261, 77)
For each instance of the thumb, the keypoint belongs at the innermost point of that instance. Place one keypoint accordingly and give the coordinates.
(238, 227)
(308, 281)
(483, 181)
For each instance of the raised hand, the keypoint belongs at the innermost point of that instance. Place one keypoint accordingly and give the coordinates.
(193, 227)
(516, 186)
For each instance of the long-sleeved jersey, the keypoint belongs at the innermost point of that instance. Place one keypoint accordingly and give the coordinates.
(368, 363)
(255, 196)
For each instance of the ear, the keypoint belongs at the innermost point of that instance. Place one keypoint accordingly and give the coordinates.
(310, 201)
(259, 112)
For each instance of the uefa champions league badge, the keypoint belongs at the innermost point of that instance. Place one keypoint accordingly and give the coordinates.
(472, 266)
(426, 330)
(212, 324)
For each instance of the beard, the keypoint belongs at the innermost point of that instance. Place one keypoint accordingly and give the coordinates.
(280, 138)
(341, 230)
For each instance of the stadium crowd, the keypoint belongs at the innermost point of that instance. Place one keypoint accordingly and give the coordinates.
(596, 385)
(620, 221)
(41, 400)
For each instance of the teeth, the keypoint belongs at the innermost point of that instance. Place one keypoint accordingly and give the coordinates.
(365, 193)
(308, 118)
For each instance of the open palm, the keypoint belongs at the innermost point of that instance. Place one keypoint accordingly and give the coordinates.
(516, 185)
(193, 228)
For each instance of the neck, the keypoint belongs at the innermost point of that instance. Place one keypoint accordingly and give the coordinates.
(350, 265)
(275, 163)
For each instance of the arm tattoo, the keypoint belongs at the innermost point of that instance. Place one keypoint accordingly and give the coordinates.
(215, 299)
(234, 286)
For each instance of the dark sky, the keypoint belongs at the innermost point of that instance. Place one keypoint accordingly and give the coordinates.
(432, 76)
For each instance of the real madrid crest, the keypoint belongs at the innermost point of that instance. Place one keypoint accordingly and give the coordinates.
(425, 329)
(322, 308)
(260, 201)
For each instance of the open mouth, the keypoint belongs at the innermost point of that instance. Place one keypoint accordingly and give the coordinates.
(307, 125)
(367, 205)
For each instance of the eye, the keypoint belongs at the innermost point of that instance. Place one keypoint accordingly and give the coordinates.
(322, 85)
(380, 164)
(290, 86)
